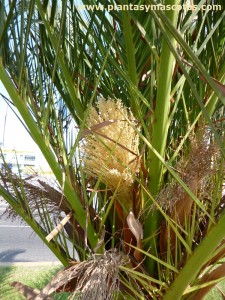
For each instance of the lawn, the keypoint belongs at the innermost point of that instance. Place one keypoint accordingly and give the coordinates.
(36, 277)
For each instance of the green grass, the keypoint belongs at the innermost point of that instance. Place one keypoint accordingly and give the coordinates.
(36, 277)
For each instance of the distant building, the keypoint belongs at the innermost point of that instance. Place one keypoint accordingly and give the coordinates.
(25, 162)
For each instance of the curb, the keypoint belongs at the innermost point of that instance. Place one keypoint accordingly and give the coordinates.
(31, 264)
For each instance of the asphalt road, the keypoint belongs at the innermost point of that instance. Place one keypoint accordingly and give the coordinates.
(19, 244)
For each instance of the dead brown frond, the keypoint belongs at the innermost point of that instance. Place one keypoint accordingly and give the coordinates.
(28, 292)
(101, 278)
(36, 192)
(95, 278)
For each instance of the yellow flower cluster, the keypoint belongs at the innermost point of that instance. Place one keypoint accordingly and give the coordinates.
(110, 149)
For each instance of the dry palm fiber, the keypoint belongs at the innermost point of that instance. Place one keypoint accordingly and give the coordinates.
(195, 172)
(95, 278)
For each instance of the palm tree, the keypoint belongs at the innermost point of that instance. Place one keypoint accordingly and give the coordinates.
(126, 103)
